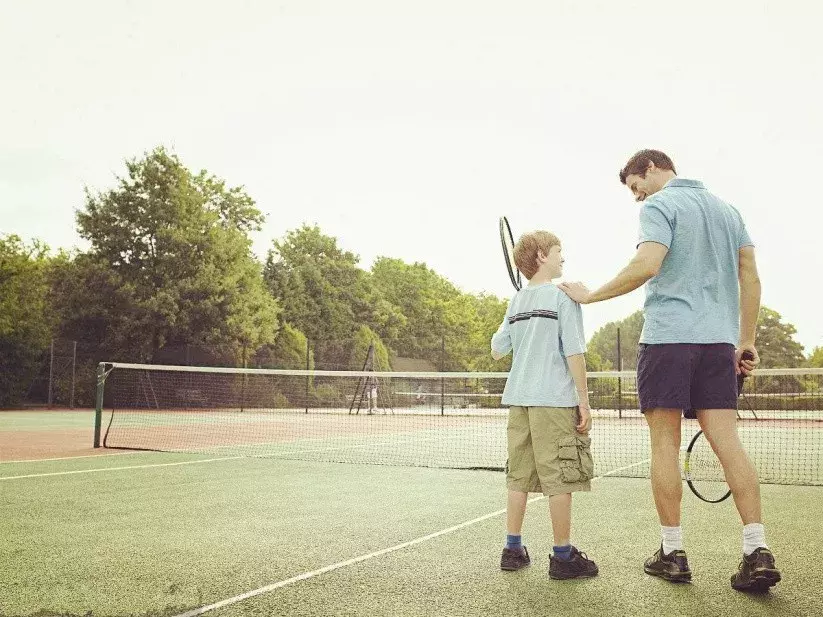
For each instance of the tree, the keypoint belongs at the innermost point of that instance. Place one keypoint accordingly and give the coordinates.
(775, 341)
(602, 348)
(816, 358)
(170, 263)
(26, 323)
(326, 294)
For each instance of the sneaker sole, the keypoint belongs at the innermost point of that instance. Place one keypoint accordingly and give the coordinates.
(516, 568)
(682, 577)
(554, 577)
(760, 581)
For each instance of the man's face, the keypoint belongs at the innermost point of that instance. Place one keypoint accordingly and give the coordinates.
(639, 186)
(648, 184)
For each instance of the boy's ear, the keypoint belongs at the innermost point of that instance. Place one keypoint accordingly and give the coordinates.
(541, 256)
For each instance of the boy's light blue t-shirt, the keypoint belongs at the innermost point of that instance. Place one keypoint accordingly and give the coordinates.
(542, 327)
(695, 297)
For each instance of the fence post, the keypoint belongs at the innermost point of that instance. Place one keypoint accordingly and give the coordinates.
(73, 369)
(619, 378)
(442, 368)
(51, 371)
(308, 367)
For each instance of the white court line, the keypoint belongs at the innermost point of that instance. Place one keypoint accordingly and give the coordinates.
(354, 560)
(69, 473)
(66, 458)
(208, 460)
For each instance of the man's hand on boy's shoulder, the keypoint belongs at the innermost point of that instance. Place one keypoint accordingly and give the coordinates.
(577, 291)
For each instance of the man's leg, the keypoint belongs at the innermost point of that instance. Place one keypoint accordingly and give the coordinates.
(669, 562)
(667, 486)
(757, 571)
(720, 428)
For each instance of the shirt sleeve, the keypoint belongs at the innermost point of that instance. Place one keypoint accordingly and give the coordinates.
(570, 322)
(743, 238)
(502, 340)
(655, 224)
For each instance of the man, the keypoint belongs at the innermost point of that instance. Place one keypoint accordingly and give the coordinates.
(702, 301)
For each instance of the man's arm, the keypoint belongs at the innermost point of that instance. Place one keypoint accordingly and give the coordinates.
(643, 266)
(749, 306)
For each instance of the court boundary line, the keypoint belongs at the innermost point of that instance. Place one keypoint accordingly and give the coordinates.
(365, 557)
(68, 458)
(284, 456)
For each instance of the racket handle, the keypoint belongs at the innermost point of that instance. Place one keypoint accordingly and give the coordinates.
(746, 355)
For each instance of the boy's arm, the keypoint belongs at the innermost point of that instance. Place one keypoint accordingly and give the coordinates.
(577, 367)
(502, 340)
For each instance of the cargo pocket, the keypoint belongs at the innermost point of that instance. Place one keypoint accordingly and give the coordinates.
(576, 464)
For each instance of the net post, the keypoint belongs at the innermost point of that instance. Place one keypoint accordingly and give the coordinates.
(98, 406)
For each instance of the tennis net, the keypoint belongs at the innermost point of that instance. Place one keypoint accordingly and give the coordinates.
(449, 420)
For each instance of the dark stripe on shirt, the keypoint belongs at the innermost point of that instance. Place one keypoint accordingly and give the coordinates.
(535, 313)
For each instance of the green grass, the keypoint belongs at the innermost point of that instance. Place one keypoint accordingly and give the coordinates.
(165, 539)
(147, 539)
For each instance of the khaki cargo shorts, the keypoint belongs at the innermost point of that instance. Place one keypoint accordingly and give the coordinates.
(546, 454)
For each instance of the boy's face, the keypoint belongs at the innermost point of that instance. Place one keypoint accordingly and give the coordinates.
(554, 262)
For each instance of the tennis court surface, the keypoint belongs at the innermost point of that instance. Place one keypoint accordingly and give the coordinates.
(230, 492)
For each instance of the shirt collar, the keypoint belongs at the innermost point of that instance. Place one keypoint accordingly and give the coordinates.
(694, 184)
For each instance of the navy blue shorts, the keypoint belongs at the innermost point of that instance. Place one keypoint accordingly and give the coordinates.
(686, 376)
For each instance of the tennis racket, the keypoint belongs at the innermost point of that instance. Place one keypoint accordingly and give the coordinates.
(703, 471)
(507, 240)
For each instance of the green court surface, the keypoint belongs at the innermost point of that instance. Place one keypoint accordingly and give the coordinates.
(163, 534)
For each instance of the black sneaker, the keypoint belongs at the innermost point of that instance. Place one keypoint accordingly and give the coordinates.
(756, 572)
(577, 566)
(673, 567)
(514, 559)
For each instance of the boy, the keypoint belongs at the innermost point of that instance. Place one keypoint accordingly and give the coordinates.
(549, 415)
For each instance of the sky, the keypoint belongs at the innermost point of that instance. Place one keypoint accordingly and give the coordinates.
(406, 129)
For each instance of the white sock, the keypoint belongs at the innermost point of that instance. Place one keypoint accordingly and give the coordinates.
(672, 539)
(754, 537)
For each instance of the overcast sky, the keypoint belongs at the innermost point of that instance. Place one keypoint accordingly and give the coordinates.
(407, 128)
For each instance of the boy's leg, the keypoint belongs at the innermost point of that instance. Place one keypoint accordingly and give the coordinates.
(521, 477)
(515, 512)
(560, 510)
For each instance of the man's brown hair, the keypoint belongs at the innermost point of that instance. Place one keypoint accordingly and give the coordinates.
(639, 163)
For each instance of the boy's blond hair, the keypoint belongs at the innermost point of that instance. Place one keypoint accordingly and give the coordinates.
(525, 251)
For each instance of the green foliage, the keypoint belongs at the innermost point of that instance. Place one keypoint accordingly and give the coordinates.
(26, 323)
(329, 396)
(775, 341)
(287, 352)
(366, 336)
(816, 358)
(602, 348)
(170, 264)
(325, 294)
